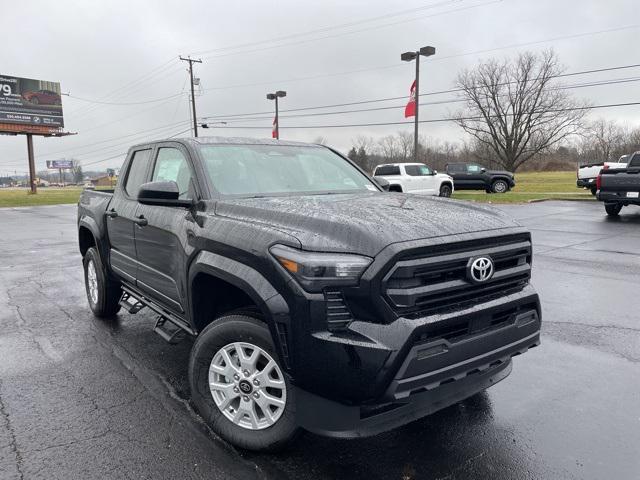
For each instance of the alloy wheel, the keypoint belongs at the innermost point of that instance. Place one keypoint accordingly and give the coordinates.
(247, 385)
(92, 281)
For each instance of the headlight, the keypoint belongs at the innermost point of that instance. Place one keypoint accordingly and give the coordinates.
(314, 271)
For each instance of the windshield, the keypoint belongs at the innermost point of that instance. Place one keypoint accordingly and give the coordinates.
(251, 170)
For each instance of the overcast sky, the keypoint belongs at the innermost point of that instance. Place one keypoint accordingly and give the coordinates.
(321, 53)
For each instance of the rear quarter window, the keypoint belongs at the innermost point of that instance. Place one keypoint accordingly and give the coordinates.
(387, 170)
(137, 174)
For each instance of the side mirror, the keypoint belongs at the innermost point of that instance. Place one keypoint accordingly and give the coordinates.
(434, 172)
(383, 183)
(165, 194)
(483, 170)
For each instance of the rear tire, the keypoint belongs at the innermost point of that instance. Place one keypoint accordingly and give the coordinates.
(445, 190)
(613, 209)
(499, 186)
(103, 293)
(240, 418)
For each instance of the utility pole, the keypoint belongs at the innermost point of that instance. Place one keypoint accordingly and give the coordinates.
(193, 96)
(407, 57)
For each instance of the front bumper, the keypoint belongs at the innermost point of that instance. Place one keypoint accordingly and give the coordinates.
(331, 419)
(386, 375)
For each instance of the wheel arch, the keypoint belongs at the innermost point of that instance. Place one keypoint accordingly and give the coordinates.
(88, 236)
(239, 282)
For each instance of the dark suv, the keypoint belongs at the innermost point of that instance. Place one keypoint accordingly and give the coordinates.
(318, 301)
(471, 176)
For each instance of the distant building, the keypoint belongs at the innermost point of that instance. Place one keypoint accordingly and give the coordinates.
(104, 181)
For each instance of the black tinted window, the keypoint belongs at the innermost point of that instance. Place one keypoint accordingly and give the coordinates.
(387, 170)
(417, 170)
(137, 172)
(456, 168)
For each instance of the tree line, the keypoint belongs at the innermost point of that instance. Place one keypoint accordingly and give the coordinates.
(517, 114)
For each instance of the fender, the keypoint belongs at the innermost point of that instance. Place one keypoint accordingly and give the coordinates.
(90, 223)
(271, 303)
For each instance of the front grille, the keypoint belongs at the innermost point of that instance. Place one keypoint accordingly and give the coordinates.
(436, 279)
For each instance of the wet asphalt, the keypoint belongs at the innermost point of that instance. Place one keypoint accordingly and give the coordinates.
(82, 398)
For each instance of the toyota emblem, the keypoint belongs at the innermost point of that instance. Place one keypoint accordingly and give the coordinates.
(480, 269)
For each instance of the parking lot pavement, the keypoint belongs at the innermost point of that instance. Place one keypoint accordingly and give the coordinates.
(82, 398)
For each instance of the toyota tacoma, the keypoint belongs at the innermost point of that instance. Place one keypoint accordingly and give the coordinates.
(317, 300)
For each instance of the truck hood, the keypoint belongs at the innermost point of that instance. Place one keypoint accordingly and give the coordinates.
(363, 223)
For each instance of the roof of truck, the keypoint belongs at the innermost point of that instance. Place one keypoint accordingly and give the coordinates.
(231, 141)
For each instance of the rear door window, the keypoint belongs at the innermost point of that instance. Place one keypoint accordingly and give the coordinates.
(417, 170)
(137, 174)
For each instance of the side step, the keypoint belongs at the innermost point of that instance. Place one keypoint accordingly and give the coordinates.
(169, 330)
(130, 303)
(170, 327)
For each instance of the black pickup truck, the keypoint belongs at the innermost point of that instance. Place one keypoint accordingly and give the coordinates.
(471, 176)
(317, 300)
(618, 187)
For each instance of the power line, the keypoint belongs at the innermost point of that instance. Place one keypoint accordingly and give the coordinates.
(142, 133)
(128, 86)
(325, 29)
(435, 120)
(127, 103)
(124, 153)
(404, 97)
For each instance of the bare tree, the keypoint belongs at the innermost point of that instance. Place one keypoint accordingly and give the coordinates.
(516, 109)
(602, 139)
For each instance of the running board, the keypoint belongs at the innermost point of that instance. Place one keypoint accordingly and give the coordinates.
(169, 330)
(168, 325)
(130, 303)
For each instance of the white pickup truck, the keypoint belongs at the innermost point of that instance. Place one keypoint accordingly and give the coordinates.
(415, 178)
(588, 173)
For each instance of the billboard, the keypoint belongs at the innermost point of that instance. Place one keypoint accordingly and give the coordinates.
(27, 101)
(58, 164)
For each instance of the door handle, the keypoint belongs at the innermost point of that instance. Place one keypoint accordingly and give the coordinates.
(140, 221)
(111, 213)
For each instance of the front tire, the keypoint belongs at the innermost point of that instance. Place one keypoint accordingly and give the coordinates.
(238, 384)
(594, 190)
(499, 186)
(613, 209)
(103, 293)
(445, 190)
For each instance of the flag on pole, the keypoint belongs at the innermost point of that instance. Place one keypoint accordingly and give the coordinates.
(410, 109)
(274, 129)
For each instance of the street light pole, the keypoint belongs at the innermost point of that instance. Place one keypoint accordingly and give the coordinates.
(277, 121)
(407, 57)
(275, 96)
(415, 119)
